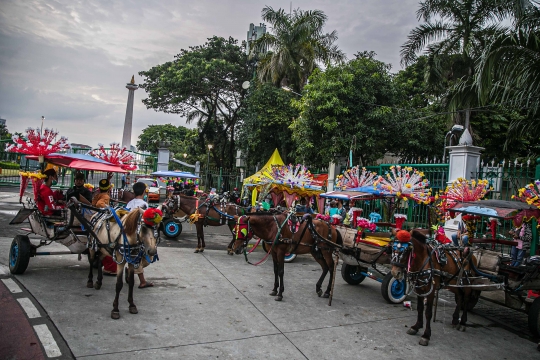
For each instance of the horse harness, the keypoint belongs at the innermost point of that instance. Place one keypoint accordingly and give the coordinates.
(424, 277)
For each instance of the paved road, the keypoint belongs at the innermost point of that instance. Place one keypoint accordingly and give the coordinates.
(212, 305)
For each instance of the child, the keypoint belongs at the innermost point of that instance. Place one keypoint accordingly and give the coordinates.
(375, 217)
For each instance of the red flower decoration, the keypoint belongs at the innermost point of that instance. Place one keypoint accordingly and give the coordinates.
(35, 143)
(116, 155)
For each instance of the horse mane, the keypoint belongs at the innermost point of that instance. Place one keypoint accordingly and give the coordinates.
(419, 235)
(131, 221)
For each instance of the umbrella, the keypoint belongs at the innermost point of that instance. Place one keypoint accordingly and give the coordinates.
(180, 174)
(347, 195)
(80, 162)
(497, 208)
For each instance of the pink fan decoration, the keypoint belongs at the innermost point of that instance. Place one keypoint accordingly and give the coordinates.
(35, 143)
(355, 177)
(406, 183)
(464, 190)
(116, 155)
(291, 175)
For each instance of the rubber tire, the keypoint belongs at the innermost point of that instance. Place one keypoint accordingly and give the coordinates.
(391, 284)
(289, 258)
(350, 274)
(19, 254)
(534, 317)
(174, 234)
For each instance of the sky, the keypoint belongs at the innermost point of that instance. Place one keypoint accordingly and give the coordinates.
(69, 60)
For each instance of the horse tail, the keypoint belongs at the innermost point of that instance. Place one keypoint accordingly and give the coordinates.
(131, 221)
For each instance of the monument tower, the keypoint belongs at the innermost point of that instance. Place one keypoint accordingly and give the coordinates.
(128, 123)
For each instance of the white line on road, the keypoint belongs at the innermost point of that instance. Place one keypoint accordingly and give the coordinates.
(12, 286)
(47, 340)
(4, 270)
(9, 212)
(29, 307)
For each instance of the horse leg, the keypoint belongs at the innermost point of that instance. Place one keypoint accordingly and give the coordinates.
(329, 262)
(90, 282)
(131, 277)
(455, 315)
(465, 301)
(115, 313)
(276, 274)
(324, 268)
(203, 245)
(229, 247)
(420, 317)
(199, 227)
(424, 340)
(99, 281)
(281, 270)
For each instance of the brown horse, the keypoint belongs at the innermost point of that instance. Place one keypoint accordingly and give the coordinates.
(207, 215)
(430, 267)
(312, 236)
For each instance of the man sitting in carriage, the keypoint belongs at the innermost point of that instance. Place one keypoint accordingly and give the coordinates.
(45, 200)
(78, 191)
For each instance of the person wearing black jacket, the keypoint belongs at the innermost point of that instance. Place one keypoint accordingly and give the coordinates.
(78, 189)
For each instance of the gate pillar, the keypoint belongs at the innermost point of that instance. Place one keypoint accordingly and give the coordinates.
(464, 161)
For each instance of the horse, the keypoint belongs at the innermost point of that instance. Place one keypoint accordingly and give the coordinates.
(311, 236)
(131, 240)
(206, 214)
(430, 267)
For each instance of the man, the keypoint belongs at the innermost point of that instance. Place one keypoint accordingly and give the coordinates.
(45, 200)
(461, 234)
(303, 208)
(102, 199)
(79, 191)
(138, 202)
(123, 181)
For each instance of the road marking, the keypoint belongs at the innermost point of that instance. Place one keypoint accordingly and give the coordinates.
(29, 308)
(47, 340)
(12, 286)
(4, 270)
(9, 212)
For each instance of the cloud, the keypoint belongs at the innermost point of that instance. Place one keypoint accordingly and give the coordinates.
(70, 60)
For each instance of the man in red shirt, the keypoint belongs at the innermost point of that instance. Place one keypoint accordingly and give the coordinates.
(45, 201)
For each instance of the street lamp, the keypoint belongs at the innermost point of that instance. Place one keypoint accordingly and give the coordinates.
(288, 89)
(210, 146)
(185, 156)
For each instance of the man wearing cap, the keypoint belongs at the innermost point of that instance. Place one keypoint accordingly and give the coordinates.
(79, 191)
(102, 199)
(45, 200)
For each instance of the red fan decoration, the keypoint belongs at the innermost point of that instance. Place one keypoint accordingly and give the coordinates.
(116, 155)
(35, 143)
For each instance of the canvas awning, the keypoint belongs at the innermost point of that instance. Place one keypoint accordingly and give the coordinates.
(80, 162)
(275, 159)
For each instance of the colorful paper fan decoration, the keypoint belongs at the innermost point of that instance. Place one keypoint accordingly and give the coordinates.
(530, 194)
(406, 183)
(290, 175)
(462, 190)
(116, 155)
(355, 177)
(35, 143)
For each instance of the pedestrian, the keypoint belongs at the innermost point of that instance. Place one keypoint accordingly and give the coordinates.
(123, 181)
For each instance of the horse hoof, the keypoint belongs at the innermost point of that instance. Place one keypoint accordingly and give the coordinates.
(424, 341)
(196, 250)
(97, 286)
(412, 331)
(463, 328)
(319, 292)
(457, 327)
(115, 315)
(201, 249)
(273, 293)
(279, 298)
(133, 310)
(326, 295)
(90, 284)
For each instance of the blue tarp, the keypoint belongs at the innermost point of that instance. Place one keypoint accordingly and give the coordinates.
(180, 174)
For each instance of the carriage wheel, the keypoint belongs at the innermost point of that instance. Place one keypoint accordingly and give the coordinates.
(19, 254)
(393, 290)
(172, 228)
(352, 274)
(288, 257)
(534, 317)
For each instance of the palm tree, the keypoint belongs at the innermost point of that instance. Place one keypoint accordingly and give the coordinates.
(296, 47)
(454, 34)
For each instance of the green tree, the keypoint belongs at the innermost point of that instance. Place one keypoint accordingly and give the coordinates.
(4, 132)
(203, 84)
(342, 102)
(298, 43)
(153, 134)
(265, 124)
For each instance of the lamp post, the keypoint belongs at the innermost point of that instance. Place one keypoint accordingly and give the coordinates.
(210, 146)
(288, 89)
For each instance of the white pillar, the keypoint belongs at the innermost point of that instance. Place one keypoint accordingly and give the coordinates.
(464, 161)
(331, 176)
(163, 158)
(128, 123)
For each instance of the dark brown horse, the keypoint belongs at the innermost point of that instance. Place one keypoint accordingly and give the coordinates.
(310, 237)
(430, 267)
(203, 213)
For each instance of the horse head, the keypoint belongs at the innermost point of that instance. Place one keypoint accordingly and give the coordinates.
(406, 256)
(141, 226)
(242, 233)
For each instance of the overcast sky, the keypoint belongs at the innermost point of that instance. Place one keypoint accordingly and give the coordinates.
(69, 60)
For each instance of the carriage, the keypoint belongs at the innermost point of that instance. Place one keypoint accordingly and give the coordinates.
(367, 254)
(65, 228)
(495, 269)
